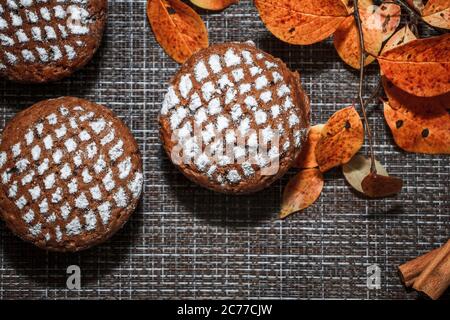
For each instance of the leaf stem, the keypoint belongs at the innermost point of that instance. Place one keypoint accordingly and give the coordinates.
(361, 83)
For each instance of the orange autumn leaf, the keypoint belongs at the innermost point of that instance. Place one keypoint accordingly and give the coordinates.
(401, 99)
(418, 125)
(380, 186)
(416, 4)
(341, 138)
(401, 37)
(302, 22)
(214, 4)
(378, 24)
(307, 157)
(301, 191)
(437, 13)
(383, 19)
(177, 27)
(346, 43)
(433, 6)
(420, 67)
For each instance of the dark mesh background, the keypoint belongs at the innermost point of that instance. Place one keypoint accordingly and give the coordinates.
(186, 242)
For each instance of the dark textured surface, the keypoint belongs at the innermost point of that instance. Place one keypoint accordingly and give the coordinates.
(186, 242)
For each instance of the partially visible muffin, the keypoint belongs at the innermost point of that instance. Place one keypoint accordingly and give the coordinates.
(70, 174)
(47, 40)
(234, 118)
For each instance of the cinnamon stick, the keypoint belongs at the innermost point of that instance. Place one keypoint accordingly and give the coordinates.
(410, 270)
(429, 273)
(435, 279)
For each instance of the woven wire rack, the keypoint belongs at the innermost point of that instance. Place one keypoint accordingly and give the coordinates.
(186, 242)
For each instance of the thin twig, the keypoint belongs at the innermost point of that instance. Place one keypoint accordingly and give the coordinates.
(362, 59)
(374, 96)
(376, 92)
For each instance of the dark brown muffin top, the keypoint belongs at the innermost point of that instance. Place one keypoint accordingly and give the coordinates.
(230, 113)
(70, 173)
(46, 40)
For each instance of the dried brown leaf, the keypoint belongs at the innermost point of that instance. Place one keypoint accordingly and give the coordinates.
(302, 22)
(214, 4)
(420, 67)
(437, 13)
(301, 191)
(177, 27)
(341, 138)
(358, 168)
(378, 186)
(401, 37)
(307, 157)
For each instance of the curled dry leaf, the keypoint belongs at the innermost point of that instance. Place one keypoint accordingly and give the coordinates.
(341, 138)
(214, 4)
(437, 13)
(301, 191)
(177, 27)
(401, 37)
(358, 168)
(307, 157)
(378, 24)
(420, 67)
(378, 186)
(302, 22)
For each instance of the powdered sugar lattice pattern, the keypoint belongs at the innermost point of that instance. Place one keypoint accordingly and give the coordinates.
(58, 195)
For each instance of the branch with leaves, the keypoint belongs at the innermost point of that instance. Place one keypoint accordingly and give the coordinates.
(362, 58)
(417, 85)
(417, 110)
(373, 185)
(414, 74)
(363, 33)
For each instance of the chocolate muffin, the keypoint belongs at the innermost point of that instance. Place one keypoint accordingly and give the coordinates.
(234, 118)
(70, 173)
(47, 40)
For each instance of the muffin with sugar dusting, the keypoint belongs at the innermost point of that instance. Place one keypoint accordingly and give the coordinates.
(70, 174)
(234, 118)
(47, 40)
